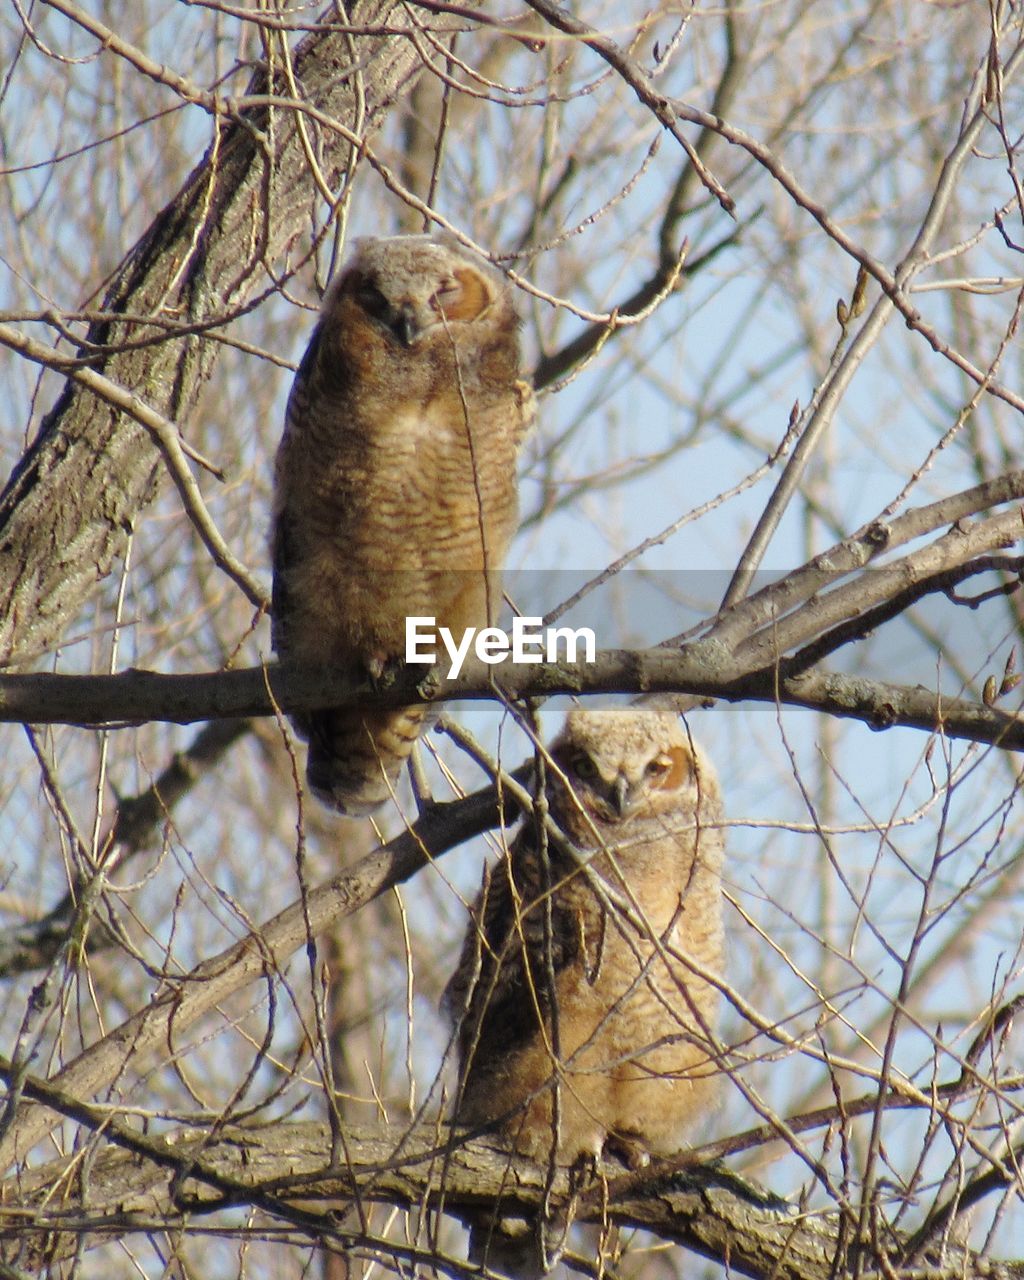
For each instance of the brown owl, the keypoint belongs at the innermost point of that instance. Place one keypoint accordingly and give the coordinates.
(575, 1005)
(395, 486)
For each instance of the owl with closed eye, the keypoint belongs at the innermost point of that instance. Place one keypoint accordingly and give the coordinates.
(395, 487)
(582, 1001)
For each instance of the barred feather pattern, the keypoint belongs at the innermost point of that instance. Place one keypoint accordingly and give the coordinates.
(395, 487)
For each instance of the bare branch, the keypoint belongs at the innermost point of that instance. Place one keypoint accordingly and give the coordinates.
(180, 1003)
(280, 1169)
(702, 669)
(138, 820)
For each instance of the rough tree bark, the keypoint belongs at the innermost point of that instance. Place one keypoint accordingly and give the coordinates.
(282, 1169)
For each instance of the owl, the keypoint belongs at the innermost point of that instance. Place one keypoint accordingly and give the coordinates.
(395, 487)
(581, 1025)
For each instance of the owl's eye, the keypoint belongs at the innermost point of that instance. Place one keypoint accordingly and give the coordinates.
(372, 300)
(584, 768)
(658, 767)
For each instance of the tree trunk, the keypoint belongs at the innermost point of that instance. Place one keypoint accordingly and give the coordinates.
(71, 500)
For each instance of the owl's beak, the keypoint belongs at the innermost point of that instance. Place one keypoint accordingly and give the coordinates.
(405, 325)
(620, 795)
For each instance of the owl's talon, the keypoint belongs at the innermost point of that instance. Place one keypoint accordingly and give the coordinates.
(629, 1150)
(375, 668)
(383, 670)
(430, 686)
(584, 1170)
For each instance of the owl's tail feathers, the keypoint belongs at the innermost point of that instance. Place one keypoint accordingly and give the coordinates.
(356, 755)
(514, 1247)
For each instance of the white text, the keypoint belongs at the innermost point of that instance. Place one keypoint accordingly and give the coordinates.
(529, 641)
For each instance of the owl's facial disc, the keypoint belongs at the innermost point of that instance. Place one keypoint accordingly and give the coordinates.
(462, 296)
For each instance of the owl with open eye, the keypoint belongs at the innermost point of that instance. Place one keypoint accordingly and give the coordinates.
(582, 1000)
(395, 487)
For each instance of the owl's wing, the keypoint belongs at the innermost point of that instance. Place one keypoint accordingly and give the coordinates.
(282, 551)
(280, 604)
(519, 939)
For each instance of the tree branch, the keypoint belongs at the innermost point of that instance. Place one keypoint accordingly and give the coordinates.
(703, 669)
(161, 1183)
(34, 944)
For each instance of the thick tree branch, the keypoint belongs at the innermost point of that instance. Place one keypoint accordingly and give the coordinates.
(703, 669)
(761, 611)
(284, 1170)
